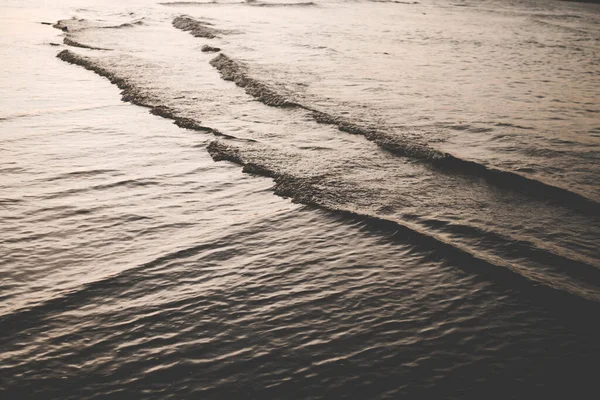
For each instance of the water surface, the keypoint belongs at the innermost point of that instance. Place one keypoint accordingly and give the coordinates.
(420, 218)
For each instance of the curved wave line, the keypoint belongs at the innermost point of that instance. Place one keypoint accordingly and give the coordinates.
(232, 70)
(301, 190)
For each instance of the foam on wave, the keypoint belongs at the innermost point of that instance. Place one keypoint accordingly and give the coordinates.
(309, 190)
(70, 42)
(197, 28)
(306, 190)
(235, 71)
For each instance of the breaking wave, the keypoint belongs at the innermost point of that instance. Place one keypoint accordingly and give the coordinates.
(309, 190)
(232, 70)
(197, 28)
(70, 42)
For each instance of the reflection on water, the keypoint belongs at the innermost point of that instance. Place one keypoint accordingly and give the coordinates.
(133, 265)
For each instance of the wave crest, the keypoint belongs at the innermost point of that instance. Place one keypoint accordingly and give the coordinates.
(197, 28)
(232, 70)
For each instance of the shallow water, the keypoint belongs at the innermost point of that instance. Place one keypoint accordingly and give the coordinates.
(132, 264)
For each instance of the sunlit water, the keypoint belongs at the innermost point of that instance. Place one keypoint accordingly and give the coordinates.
(132, 264)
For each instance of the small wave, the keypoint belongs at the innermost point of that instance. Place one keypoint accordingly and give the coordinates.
(209, 49)
(395, 2)
(262, 4)
(72, 24)
(447, 163)
(232, 70)
(130, 94)
(11, 170)
(305, 191)
(475, 129)
(73, 43)
(468, 128)
(197, 3)
(75, 25)
(251, 3)
(9, 202)
(126, 88)
(35, 113)
(21, 319)
(124, 25)
(129, 183)
(196, 28)
(569, 29)
(186, 123)
(584, 1)
(509, 125)
(80, 174)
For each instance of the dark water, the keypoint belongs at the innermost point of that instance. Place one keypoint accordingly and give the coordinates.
(419, 217)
